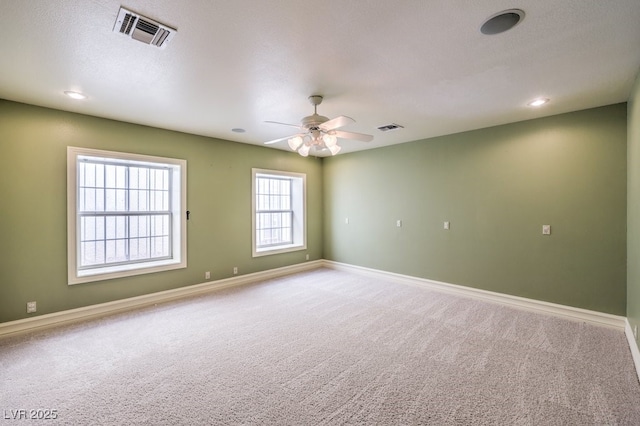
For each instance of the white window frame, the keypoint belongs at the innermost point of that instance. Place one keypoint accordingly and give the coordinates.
(298, 205)
(178, 258)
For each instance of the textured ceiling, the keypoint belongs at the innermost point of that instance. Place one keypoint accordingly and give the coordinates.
(422, 64)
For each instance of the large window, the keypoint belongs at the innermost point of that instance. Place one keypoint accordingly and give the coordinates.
(124, 214)
(279, 223)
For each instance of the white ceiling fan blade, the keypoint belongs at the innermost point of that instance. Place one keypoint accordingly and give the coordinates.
(297, 126)
(351, 135)
(336, 123)
(279, 140)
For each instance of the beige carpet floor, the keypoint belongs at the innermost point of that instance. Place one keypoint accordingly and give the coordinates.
(323, 348)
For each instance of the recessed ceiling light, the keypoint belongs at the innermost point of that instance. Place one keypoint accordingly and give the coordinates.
(238, 130)
(502, 21)
(538, 102)
(75, 95)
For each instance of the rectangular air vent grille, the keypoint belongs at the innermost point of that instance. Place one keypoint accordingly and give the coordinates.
(390, 127)
(127, 24)
(143, 29)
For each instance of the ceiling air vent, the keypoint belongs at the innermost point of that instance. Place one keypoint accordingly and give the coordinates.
(390, 127)
(142, 28)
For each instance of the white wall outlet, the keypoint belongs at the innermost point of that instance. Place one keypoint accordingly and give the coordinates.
(399, 223)
(346, 220)
(546, 229)
(31, 307)
(446, 225)
(207, 275)
(235, 270)
(307, 257)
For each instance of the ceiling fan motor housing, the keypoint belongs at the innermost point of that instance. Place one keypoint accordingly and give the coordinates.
(312, 122)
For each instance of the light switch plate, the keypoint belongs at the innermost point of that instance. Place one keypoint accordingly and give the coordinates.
(546, 229)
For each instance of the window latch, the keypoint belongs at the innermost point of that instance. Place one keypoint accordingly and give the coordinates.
(188, 213)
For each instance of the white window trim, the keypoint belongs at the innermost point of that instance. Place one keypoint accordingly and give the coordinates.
(179, 259)
(299, 204)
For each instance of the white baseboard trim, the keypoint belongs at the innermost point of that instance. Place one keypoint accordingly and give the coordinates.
(635, 352)
(569, 312)
(108, 308)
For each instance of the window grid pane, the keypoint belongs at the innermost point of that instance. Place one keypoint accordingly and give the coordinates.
(125, 213)
(274, 216)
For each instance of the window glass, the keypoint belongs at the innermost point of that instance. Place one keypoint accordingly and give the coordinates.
(278, 212)
(125, 214)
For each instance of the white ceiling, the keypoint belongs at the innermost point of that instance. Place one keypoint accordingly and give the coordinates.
(422, 64)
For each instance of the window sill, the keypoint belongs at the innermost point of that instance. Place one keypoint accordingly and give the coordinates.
(121, 271)
(278, 249)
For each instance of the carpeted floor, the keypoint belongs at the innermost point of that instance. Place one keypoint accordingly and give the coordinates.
(323, 347)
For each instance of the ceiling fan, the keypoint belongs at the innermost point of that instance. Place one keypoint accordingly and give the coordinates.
(318, 132)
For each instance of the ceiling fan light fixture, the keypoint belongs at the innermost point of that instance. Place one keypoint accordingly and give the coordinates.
(334, 149)
(295, 142)
(329, 140)
(304, 150)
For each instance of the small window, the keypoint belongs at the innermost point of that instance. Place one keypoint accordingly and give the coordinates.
(279, 218)
(124, 214)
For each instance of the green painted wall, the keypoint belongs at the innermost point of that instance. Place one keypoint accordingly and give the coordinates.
(497, 187)
(633, 206)
(33, 258)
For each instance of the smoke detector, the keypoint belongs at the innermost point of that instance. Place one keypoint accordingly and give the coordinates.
(143, 29)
